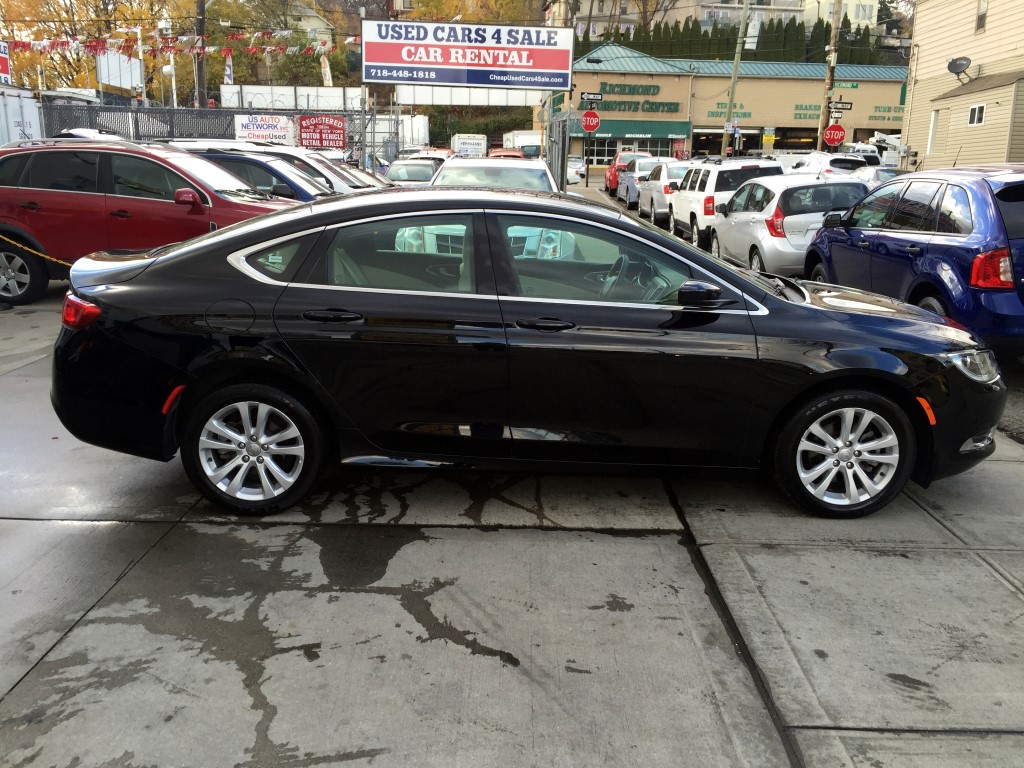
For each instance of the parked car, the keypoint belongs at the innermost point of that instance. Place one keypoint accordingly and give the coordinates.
(414, 324)
(270, 175)
(769, 221)
(873, 175)
(575, 169)
(635, 172)
(488, 172)
(828, 162)
(655, 191)
(950, 241)
(66, 198)
(516, 154)
(691, 208)
(406, 173)
(619, 163)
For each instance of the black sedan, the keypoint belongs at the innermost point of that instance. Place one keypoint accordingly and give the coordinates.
(473, 327)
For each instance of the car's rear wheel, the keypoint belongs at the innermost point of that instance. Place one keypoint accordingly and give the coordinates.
(695, 237)
(818, 274)
(845, 454)
(673, 225)
(716, 248)
(23, 277)
(756, 260)
(252, 448)
(934, 304)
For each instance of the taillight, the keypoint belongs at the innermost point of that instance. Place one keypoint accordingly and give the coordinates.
(992, 270)
(774, 223)
(78, 313)
(667, 189)
(709, 205)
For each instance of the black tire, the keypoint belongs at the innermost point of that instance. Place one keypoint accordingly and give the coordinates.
(23, 277)
(934, 304)
(698, 239)
(672, 225)
(818, 274)
(833, 487)
(716, 247)
(290, 467)
(756, 261)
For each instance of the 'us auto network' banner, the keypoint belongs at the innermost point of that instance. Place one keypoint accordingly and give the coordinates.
(485, 56)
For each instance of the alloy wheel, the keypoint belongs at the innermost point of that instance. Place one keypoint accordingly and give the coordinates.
(14, 275)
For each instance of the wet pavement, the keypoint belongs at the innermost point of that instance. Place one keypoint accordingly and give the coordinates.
(414, 617)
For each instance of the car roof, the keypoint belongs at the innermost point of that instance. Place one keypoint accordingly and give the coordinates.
(105, 145)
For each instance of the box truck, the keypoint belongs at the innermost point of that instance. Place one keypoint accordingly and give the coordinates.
(469, 145)
(527, 141)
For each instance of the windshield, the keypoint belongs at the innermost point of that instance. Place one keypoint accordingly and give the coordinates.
(410, 171)
(298, 178)
(494, 176)
(211, 175)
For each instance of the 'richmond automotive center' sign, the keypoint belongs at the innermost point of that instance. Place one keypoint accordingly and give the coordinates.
(486, 56)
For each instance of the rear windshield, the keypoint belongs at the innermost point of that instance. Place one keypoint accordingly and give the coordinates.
(1010, 200)
(729, 181)
(847, 163)
(820, 198)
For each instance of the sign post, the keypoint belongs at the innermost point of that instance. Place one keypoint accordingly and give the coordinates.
(590, 122)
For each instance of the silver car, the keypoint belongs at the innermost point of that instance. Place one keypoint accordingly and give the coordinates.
(654, 192)
(635, 173)
(769, 221)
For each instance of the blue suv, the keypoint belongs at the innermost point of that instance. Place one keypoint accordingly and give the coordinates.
(951, 241)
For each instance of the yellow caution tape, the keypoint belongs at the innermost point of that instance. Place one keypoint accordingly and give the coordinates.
(24, 247)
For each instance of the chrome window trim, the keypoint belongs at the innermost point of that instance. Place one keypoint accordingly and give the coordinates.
(238, 258)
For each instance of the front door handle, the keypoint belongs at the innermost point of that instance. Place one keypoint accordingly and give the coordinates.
(121, 214)
(913, 250)
(546, 324)
(863, 243)
(31, 206)
(331, 316)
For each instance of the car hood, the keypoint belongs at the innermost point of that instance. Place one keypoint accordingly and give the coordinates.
(106, 267)
(893, 316)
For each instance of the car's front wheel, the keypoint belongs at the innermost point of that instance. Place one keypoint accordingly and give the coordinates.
(23, 278)
(845, 454)
(252, 448)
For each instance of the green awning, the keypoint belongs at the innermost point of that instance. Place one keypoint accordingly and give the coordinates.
(636, 129)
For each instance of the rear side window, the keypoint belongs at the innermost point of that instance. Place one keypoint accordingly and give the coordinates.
(703, 183)
(1010, 200)
(731, 180)
(820, 198)
(64, 171)
(759, 198)
(11, 168)
(281, 261)
(916, 210)
(955, 212)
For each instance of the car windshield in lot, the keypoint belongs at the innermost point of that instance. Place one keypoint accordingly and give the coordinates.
(211, 173)
(495, 175)
(410, 170)
(729, 181)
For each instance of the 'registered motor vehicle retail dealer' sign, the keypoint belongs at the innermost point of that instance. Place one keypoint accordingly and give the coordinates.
(486, 56)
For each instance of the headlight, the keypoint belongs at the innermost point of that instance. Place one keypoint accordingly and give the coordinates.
(979, 365)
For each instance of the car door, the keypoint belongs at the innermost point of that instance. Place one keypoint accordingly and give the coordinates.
(646, 187)
(140, 207)
(909, 232)
(730, 225)
(852, 244)
(59, 201)
(603, 364)
(398, 321)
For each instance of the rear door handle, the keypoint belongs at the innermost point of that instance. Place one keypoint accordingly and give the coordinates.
(331, 315)
(547, 324)
(31, 206)
(121, 214)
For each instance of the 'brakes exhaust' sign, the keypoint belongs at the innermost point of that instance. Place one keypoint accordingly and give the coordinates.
(481, 55)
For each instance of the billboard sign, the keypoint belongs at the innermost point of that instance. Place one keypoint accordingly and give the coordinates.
(278, 128)
(484, 56)
(322, 131)
(5, 64)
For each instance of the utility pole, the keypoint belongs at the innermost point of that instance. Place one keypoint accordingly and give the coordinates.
(830, 73)
(740, 40)
(201, 56)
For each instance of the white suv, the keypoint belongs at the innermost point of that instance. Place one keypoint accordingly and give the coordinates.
(691, 209)
(829, 162)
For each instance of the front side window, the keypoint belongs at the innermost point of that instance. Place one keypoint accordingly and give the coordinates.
(558, 259)
(915, 210)
(871, 211)
(64, 171)
(138, 177)
(977, 115)
(739, 200)
(412, 253)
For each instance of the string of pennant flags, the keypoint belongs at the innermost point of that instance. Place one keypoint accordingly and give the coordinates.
(180, 44)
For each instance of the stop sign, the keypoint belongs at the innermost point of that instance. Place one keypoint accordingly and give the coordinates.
(834, 135)
(590, 121)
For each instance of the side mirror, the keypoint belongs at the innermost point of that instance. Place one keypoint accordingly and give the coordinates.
(722, 209)
(832, 220)
(641, 178)
(674, 186)
(697, 292)
(188, 197)
(282, 190)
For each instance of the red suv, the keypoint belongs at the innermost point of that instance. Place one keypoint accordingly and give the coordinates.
(67, 198)
(611, 175)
